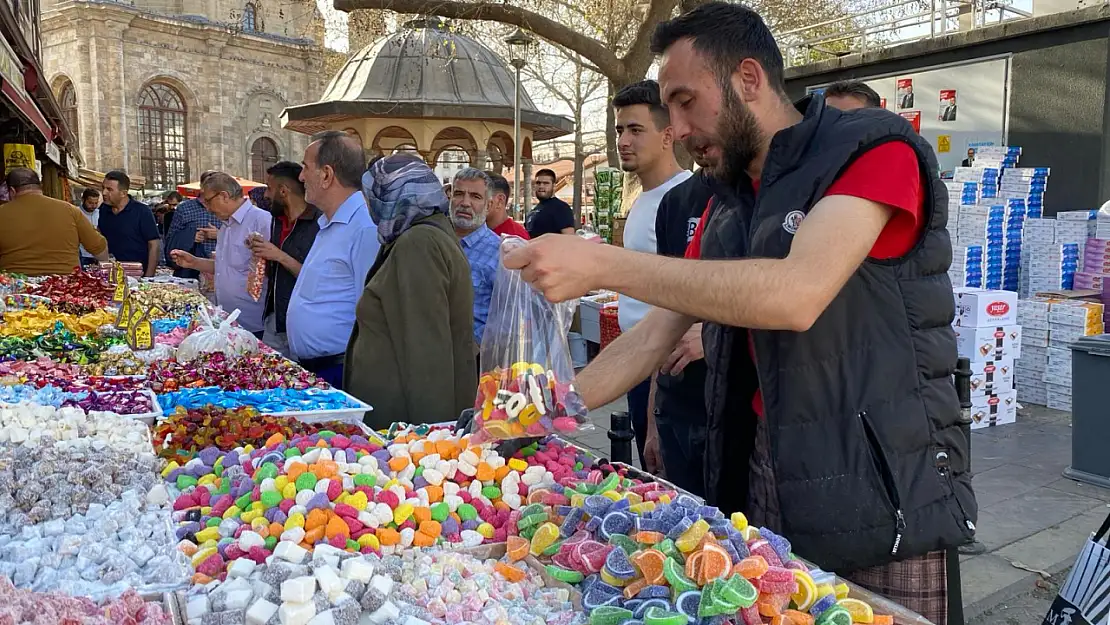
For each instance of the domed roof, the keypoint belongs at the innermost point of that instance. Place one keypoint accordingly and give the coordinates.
(425, 70)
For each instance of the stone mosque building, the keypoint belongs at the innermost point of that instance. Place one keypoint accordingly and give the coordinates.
(170, 88)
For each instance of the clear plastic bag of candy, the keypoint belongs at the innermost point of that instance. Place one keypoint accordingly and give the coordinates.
(227, 338)
(526, 387)
(256, 277)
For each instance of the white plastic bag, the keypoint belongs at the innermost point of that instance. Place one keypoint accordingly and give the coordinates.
(227, 338)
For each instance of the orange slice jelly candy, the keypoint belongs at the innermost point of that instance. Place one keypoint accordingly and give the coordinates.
(650, 562)
(517, 548)
(509, 572)
(648, 538)
(883, 619)
(768, 609)
(634, 587)
(715, 564)
(795, 617)
(693, 565)
(751, 568)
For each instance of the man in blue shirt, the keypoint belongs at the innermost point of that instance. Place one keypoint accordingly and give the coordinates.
(193, 229)
(128, 225)
(470, 193)
(321, 309)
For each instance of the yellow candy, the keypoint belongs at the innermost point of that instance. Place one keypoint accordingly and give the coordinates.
(170, 467)
(202, 554)
(206, 510)
(861, 611)
(689, 539)
(280, 482)
(609, 579)
(232, 512)
(248, 449)
(545, 536)
(807, 591)
(256, 506)
(536, 368)
(642, 507)
(289, 492)
(739, 521)
(577, 499)
(260, 522)
(750, 532)
(369, 540)
(497, 429)
(487, 410)
(207, 479)
(825, 589)
(633, 498)
(250, 515)
(664, 498)
(342, 498)
(402, 513)
(841, 591)
(295, 520)
(390, 484)
(486, 530)
(516, 464)
(207, 534)
(520, 368)
(528, 415)
(358, 501)
(611, 495)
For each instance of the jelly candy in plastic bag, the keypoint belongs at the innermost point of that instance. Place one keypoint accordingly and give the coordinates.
(526, 387)
(227, 338)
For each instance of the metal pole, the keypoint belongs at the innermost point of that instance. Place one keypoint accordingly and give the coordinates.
(620, 437)
(518, 64)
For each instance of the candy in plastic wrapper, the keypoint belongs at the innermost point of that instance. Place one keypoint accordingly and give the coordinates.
(256, 275)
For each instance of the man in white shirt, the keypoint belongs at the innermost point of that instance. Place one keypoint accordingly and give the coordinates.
(646, 146)
(90, 208)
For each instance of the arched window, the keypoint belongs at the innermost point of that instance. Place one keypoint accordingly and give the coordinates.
(68, 101)
(250, 18)
(264, 154)
(162, 136)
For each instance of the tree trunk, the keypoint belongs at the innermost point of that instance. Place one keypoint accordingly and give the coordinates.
(611, 128)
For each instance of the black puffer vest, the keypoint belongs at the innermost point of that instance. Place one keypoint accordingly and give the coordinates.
(861, 458)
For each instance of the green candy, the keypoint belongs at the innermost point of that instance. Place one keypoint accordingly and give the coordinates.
(270, 542)
(243, 502)
(835, 615)
(306, 481)
(578, 466)
(268, 470)
(271, 498)
(467, 512)
(326, 434)
(658, 616)
(528, 533)
(224, 488)
(440, 511)
(213, 522)
(676, 577)
(365, 479)
(491, 492)
(352, 545)
(531, 509)
(292, 452)
(623, 543)
(417, 473)
(528, 451)
(185, 481)
(584, 488)
(565, 575)
(532, 520)
(669, 550)
(609, 483)
(609, 615)
(738, 591)
(553, 548)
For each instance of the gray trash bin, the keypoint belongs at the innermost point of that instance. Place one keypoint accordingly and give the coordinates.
(1090, 417)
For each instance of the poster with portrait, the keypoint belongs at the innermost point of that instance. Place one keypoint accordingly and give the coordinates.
(904, 93)
(882, 103)
(947, 111)
(914, 118)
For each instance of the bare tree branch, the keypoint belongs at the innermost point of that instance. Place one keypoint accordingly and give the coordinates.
(639, 56)
(553, 31)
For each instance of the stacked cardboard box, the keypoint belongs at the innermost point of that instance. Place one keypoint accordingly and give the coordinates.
(1102, 225)
(967, 266)
(1051, 322)
(1027, 184)
(1096, 272)
(987, 334)
(1030, 368)
(985, 226)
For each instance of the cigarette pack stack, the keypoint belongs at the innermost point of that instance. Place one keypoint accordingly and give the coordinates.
(1076, 227)
(1012, 236)
(960, 193)
(967, 266)
(985, 226)
(1102, 225)
(987, 333)
(997, 156)
(1047, 262)
(1096, 272)
(1026, 184)
(1068, 321)
(1030, 368)
(986, 180)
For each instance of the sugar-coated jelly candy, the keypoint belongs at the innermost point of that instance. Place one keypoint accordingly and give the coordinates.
(860, 611)
(675, 576)
(691, 537)
(715, 563)
(807, 590)
(659, 616)
(650, 562)
(544, 537)
(609, 615)
(836, 615)
(516, 548)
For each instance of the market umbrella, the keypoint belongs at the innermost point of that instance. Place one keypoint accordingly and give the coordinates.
(192, 189)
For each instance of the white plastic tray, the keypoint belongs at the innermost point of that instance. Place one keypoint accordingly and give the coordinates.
(149, 417)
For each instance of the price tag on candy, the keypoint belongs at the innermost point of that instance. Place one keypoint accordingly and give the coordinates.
(123, 317)
(120, 292)
(140, 336)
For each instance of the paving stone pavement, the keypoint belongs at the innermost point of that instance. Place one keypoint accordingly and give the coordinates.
(1030, 516)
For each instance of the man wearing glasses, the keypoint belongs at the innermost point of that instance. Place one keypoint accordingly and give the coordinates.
(223, 196)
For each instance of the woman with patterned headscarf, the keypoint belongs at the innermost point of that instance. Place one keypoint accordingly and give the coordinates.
(411, 354)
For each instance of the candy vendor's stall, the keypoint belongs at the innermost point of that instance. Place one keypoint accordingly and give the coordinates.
(160, 465)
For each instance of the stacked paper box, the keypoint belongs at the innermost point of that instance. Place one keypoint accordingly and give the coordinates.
(1076, 227)
(987, 334)
(1096, 272)
(1068, 320)
(1102, 225)
(985, 226)
(1031, 367)
(1027, 184)
(967, 266)
(998, 156)
(1047, 262)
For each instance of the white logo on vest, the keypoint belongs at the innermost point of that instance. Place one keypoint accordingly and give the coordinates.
(792, 221)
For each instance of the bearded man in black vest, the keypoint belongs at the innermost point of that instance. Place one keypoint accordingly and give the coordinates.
(820, 274)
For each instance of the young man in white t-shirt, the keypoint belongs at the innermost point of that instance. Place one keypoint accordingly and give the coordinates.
(645, 143)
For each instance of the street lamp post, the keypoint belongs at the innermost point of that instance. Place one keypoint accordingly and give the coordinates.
(518, 46)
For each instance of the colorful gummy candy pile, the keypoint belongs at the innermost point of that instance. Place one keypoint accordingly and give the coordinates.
(76, 293)
(676, 562)
(24, 606)
(249, 372)
(121, 401)
(183, 433)
(268, 401)
(525, 400)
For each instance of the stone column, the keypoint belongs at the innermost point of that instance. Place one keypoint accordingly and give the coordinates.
(526, 187)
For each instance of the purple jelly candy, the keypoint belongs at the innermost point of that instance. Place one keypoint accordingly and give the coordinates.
(731, 551)
(564, 510)
(644, 524)
(188, 528)
(450, 526)
(686, 501)
(824, 603)
(618, 565)
(318, 501)
(619, 505)
(350, 455)
(688, 603)
(654, 592)
(172, 475)
(632, 605)
(382, 456)
(593, 524)
(709, 512)
(679, 527)
(419, 482)
(209, 455)
(570, 523)
(472, 524)
(231, 459)
(596, 505)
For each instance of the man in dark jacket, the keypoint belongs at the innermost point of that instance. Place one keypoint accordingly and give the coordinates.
(822, 282)
(292, 233)
(192, 229)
